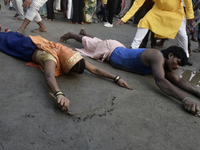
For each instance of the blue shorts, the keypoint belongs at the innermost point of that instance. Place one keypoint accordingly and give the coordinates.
(17, 45)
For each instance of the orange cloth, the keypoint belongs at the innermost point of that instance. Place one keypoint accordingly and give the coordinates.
(66, 57)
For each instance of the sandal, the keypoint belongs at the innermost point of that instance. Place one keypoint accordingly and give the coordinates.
(38, 30)
(20, 31)
(196, 50)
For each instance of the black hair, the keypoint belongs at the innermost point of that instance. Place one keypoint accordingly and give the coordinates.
(177, 52)
(79, 67)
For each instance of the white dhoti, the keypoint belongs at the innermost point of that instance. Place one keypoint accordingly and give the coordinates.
(33, 11)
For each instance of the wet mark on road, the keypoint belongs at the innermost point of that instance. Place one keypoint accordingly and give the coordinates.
(89, 114)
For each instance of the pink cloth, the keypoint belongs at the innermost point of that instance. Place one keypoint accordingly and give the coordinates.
(98, 49)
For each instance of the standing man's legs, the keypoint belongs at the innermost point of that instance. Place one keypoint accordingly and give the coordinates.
(139, 36)
(32, 14)
(182, 39)
(112, 7)
(19, 9)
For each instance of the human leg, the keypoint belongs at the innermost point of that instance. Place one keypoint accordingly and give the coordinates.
(75, 11)
(19, 10)
(182, 39)
(41, 28)
(32, 14)
(153, 40)
(50, 11)
(139, 36)
(145, 41)
(197, 50)
(161, 43)
(81, 6)
(71, 35)
(112, 6)
(83, 32)
(77, 37)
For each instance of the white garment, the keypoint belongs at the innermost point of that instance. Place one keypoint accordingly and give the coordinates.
(181, 37)
(33, 11)
(57, 5)
(19, 9)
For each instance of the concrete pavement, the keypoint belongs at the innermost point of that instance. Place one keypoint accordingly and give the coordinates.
(110, 117)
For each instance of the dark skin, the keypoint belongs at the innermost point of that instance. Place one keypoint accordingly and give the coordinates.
(49, 72)
(163, 72)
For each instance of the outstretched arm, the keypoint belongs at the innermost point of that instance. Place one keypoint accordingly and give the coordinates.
(49, 72)
(100, 72)
(169, 89)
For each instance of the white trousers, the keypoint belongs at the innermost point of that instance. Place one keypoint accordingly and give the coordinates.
(181, 37)
(19, 9)
(33, 11)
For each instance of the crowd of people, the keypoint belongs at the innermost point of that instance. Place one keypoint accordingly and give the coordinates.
(155, 16)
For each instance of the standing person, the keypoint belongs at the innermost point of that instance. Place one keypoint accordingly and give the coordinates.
(53, 58)
(77, 17)
(128, 4)
(161, 64)
(89, 10)
(103, 12)
(148, 4)
(57, 5)
(112, 7)
(197, 50)
(50, 10)
(166, 19)
(20, 14)
(32, 13)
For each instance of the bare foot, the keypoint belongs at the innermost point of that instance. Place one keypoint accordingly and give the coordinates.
(82, 31)
(66, 36)
(197, 50)
(47, 19)
(159, 44)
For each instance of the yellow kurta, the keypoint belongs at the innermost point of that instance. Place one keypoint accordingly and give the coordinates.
(165, 18)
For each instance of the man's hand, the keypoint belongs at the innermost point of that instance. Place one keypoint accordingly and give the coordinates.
(190, 22)
(27, 4)
(63, 103)
(123, 83)
(120, 22)
(191, 107)
(6, 2)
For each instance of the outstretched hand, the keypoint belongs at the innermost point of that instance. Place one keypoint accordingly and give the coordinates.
(191, 107)
(124, 84)
(120, 22)
(63, 103)
(27, 4)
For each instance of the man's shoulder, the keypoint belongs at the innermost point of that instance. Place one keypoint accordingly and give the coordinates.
(156, 52)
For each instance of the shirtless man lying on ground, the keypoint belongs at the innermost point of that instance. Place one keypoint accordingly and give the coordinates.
(143, 61)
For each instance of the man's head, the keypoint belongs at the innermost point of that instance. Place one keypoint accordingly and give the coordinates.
(78, 67)
(175, 56)
(71, 61)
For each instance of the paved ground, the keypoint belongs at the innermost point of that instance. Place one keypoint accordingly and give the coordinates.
(110, 117)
